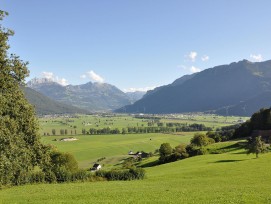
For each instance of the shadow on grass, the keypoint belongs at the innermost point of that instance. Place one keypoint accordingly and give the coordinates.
(243, 152)
(230, 148)
(228, 160)
(150, 164)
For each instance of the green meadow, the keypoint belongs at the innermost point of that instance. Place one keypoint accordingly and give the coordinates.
(75, 124)
(231, 177)
(80, 122)
(88, 148)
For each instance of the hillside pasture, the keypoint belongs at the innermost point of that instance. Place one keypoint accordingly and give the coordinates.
(89, 148)
(232, 177)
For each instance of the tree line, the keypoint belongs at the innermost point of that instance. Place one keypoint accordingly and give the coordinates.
(176, 127)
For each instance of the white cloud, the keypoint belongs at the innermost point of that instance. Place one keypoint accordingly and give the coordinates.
(83, 76)
(145, 89)
(205, 58)
(192, 56)
(194, 69)
(256, 58)
(52, 77)
(47, 75)
(92, 76)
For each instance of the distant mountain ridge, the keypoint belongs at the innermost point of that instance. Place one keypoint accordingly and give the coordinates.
(47, 106)
(89, 96)
(211, 90)
(135, 96)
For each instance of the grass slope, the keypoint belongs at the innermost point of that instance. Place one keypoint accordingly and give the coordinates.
(232, 177)
(87, 149)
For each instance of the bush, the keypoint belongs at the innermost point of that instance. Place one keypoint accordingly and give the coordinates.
(214, 135)
(202, 151)
(50, 177)
(200, 140)
(37, 177)
(63, 175)
(22, 177)
(80, 175)
(63, 161)
(114, 175)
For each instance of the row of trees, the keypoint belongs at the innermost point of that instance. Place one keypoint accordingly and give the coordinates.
(62, 132)
(182, 151)
(254, 145)
(135, 130)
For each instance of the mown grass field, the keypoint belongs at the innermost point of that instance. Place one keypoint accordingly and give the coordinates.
(88, 148)
(232, 177)
(80, 122)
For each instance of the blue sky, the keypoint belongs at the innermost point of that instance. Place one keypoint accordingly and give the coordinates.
(135, 43)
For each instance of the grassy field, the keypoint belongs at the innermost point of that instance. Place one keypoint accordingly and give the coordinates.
(232, 177)
(229, 177)
(79, 122)
(88, 121)
(213, 121)
(87, 149)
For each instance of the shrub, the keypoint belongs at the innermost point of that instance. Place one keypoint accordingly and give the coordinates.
(113, 175)
(63, 175)
(200, 140)
(62, 161)
(50, 177)
(37, 177)
(80, 175)
(201, 151)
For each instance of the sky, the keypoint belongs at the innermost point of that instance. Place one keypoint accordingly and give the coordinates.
(135, 44)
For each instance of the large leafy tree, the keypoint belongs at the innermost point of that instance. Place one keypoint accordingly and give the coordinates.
(20, 147)
(255, 146)
(165, 151)
(201, 140)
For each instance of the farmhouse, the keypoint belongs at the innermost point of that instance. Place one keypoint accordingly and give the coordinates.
(140, 155)
(96, 167)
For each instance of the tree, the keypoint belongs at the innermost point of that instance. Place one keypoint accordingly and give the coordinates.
(255, 146)
(53, 131)
(20, 146)
(180, 152)
(124, 131)
(165, 150)
(201, 140)
(61, 132)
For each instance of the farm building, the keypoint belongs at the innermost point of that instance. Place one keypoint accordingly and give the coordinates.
(96, 167)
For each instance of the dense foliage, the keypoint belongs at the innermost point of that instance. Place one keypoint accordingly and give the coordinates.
(255, 146)
(169, 154)
(20, 147)
(24, 159)
(127, 174)
(260, 120)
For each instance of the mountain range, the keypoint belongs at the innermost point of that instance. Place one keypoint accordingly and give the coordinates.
(239, 88)
(46, 106)
(93, 97)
